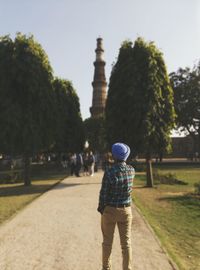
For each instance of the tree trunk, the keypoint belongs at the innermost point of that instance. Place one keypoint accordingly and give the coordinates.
(194, 148)
(198, 144)
(149, 172)
(161, 156)
(27, 179)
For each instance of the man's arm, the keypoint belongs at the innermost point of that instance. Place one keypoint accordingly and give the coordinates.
(103, 193)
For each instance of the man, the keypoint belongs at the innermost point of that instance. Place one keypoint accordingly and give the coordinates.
(91, 162)
(115, 206)
(72, 162)
(79, 163)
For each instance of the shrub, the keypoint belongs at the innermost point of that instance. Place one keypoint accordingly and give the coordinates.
(169, 178)
(139, 167)
(11, 176)
(197, 188)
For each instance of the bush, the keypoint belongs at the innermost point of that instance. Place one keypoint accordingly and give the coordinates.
(11, 176)
(197, 188)
(168, 179)
(139, 167)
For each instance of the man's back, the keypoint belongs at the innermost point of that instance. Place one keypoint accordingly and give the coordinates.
(117, 185)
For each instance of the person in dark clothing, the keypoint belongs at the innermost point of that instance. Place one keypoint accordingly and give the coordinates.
(107, 161)
(85, 164)
(72, 162)
(91, 162)
(79, 163)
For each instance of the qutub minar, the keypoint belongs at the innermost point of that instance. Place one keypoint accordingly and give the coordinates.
(99, 82)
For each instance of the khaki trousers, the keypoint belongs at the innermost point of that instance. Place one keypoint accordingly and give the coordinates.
(123, 218)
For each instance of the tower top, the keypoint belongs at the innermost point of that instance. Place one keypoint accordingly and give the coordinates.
(99, 82)
(99, 50)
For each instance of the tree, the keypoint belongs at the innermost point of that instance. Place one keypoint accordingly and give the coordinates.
(139, 108)
(118, 92)
(69, 132)
(95, 133)
(186, 86)
(26, 98)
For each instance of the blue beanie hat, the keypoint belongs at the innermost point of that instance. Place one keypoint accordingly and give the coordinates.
(120, 151)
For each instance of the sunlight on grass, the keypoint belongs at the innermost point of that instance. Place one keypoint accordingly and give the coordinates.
(14, 197)
(174, 214)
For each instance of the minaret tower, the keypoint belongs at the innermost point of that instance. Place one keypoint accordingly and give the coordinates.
(99, 82)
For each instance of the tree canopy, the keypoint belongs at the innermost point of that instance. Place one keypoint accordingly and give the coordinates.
(139, 108)
(69, 132)
(37, 112)
(26, 96)
(186, 86)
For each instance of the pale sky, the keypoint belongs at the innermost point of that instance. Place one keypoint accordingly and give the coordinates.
(68, 29)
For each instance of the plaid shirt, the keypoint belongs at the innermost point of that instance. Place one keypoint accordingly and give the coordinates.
(117, 185)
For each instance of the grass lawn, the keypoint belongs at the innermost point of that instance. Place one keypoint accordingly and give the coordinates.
(174, 214)
(14, 197)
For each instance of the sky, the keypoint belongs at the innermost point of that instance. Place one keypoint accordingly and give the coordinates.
(68, 29)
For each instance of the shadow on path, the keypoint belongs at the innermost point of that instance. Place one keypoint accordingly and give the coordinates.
(34, 189)
(23, 190)
(67, 185)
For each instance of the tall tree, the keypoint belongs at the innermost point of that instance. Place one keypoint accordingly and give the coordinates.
(69, 133)
(139, 107)
(118, 95)
(186, 86)
(26, 98)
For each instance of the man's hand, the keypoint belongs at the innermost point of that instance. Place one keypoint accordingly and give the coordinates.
(100, 210)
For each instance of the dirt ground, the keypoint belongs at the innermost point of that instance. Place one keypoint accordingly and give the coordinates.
(61, 231)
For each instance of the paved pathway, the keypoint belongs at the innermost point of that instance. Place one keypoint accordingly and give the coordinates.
(61, 231)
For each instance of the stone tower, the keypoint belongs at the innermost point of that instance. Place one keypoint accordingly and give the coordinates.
(99, 82)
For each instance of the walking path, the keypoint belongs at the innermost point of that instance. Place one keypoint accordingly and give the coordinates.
(61, 231)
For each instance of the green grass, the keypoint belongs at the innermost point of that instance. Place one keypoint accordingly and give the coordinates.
(174, 214)
(190, 175)
(13, 197)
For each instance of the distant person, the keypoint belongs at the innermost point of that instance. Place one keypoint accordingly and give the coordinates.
(79, 163)
(91, 163)
(196, 154)
(97, 161)
(64, 161)
(115, 206)
(72, 163)
(107, 161)
(157, 158)
(85, 164)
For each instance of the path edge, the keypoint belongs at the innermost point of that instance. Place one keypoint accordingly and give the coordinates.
(170, 260)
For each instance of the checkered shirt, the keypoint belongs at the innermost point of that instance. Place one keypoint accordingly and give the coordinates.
(117, 185)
